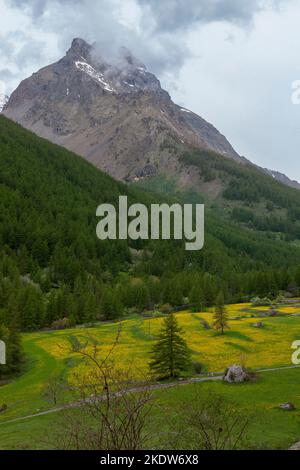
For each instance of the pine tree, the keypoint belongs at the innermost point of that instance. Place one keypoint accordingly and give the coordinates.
(220, 316)
(111, 306)
(196, 298)
(173, 292)
(170, 354)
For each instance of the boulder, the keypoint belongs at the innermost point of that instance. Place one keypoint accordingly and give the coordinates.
(287, 406)
(295, 446)
(259, 324)
(235, 374)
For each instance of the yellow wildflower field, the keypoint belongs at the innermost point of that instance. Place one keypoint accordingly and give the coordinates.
(243, 342)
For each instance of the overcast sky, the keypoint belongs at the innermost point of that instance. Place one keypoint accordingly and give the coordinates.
(231, 61)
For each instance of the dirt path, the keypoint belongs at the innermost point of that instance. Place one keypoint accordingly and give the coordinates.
(152, 387)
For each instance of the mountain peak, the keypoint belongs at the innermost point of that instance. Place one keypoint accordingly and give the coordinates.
(111, 110)
(79, 46)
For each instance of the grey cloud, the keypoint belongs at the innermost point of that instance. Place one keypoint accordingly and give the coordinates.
(172, 14)
(21, 48)
(7, 46)
(32, 51)
(160, 42)
(175, 15)
(37, 7)
(95, 21)
(19, 51)
(6, 74)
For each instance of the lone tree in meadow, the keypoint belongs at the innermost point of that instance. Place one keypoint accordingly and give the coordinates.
(220, 316)
(170, 353)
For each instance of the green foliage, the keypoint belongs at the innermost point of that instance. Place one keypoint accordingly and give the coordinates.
(196, 297)
(110, 304)
(258, 302)
(246, 184)
(170, 354)
(220, 315)
(53, 267)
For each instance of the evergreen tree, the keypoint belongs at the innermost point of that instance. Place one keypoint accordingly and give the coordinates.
(111, 307)
(196, 298)
(52, 266)
(220, 316)
(33, 308)
(170, 354)
(173, 292)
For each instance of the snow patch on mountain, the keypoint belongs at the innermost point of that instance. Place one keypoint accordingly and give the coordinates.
(98, 76)
(129, 84)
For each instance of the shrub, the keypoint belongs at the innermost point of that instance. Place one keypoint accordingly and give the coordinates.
(258, 302)
(60, 324)
(166, 308)
(198, 367)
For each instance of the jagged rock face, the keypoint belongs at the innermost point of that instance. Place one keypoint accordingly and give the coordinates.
(116, 115)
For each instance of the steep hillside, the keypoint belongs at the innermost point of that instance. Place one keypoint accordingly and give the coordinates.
(237, 193)
(52, 266)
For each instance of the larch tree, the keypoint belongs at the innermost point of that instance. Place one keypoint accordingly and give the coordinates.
(220, 315)
(170, 353)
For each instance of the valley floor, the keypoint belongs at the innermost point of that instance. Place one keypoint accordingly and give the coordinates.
(270, 427)
(269, 346)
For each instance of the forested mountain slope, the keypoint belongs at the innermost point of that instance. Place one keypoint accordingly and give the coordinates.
(242, 192)
(53, 267)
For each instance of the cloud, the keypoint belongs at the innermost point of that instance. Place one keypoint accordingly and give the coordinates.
(38, 7)
(179, 15)
(111, 23)
(154, 30)
(21, 54)
(6, 74)
(169, 14)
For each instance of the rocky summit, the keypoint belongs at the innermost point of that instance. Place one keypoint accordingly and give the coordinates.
(114, 113)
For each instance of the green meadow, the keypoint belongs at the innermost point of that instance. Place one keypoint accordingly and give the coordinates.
(49, 354)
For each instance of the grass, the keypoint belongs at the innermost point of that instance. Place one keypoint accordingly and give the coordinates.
(269, 428)
(48, 353)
